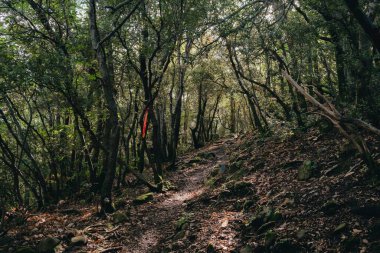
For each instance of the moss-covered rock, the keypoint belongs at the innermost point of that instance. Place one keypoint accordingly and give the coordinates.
(194, 160)
(238, 188)
(47, 245)
(144, 198)
(119, 217)
(306, 170)
(207, 155)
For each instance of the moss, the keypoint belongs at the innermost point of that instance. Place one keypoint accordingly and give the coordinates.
(270, 238)
(143, 198)
(305, 171)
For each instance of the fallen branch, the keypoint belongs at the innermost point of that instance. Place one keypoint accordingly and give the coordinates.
(141, 177)
(346, 126)
(114, 249)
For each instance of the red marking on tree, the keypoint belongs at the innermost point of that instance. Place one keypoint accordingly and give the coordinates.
(145, 124)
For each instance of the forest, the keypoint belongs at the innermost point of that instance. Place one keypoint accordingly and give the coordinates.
(189, 126)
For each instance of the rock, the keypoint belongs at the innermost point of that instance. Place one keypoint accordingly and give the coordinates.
(181, 223)
(194, 160)
(240, 188)
(119, 217)
(246, 249)
(367, 211)
(340, 228)
(207, 155)
(286, 246)
(78, 240)
(330, 207)
(305, 171)
(25, 250)
(47, 245)
(143, 198)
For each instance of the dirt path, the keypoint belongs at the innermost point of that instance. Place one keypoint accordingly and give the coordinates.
(148, 227)
(157, 220)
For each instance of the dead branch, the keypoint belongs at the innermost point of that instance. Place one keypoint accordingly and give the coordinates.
(346, 126)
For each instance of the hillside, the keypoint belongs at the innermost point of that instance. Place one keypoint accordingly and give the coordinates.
(304, 192)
